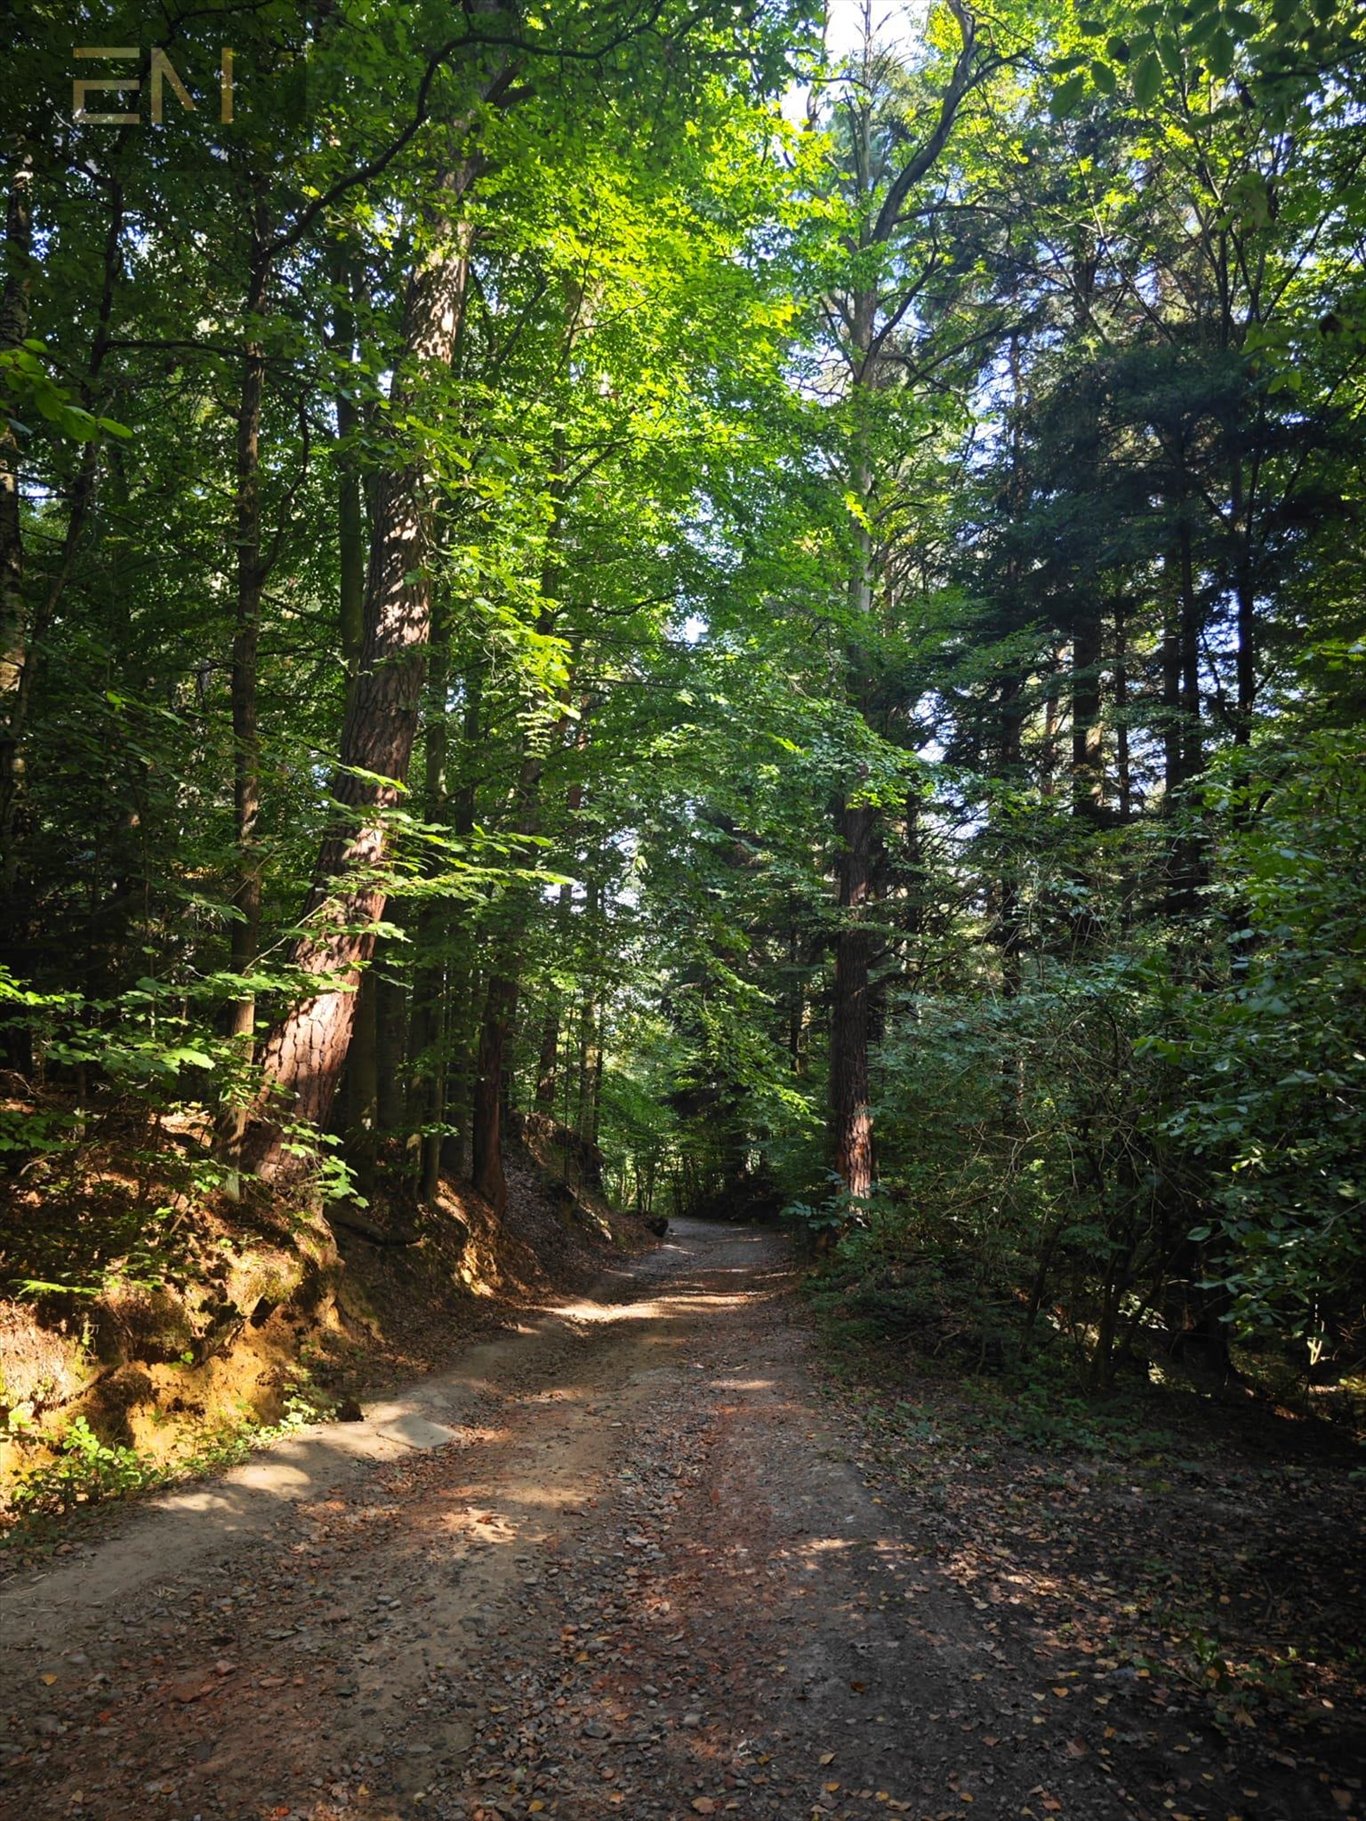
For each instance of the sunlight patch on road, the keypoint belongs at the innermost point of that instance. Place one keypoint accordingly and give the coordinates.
(659, 1308)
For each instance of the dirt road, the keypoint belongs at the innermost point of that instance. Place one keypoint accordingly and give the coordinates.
(618, 1564)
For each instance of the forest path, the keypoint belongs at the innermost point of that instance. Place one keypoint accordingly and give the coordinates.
(645, 1578)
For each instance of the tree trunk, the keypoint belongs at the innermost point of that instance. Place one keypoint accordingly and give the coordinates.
(427, 1057)
(1182, 742)
(589, 1015)
(434, 1110)
(302, 1057)
(492, 1083)
(486, 1125)
(391, 1019)
(1123, 764)
(246, 740)
(1011, 918)
(548, 1055)
(851, 1009)
(1088, 763)
(350, 497)
(362, 1084)
(547, 1063)
(462, 1011)
(796, 998)
(856, 827)
(1193, 753)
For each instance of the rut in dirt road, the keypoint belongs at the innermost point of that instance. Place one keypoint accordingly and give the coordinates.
(644, 1578)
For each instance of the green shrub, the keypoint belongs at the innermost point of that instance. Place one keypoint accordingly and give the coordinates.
(86, 1470)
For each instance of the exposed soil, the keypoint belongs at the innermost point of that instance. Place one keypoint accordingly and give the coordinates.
(171, 1321)
(637, 1559)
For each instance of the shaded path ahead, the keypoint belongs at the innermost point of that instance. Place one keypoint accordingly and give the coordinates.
(643, 1578)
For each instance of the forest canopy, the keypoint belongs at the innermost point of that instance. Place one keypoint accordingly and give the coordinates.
(783, 593)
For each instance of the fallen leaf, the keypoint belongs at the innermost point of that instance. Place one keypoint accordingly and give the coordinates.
(827, 1757)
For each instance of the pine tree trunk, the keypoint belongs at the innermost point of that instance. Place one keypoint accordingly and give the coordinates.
(1124, 783)
(350, 496)
(1088, 763)
(302, 1057)
(1011, 915)
(464, 997)
(1182, 741)
(246, 739)
(427, 1055)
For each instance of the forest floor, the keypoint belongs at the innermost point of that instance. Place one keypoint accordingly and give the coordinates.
(646, 1558)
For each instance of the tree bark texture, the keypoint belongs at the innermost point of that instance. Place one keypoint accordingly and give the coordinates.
(302, 1056)
(486, 1122)
(251, 581)
(851, 1006)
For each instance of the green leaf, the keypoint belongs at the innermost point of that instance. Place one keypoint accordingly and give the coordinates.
(1147, 80)
(1220, 51)
(1068, 94)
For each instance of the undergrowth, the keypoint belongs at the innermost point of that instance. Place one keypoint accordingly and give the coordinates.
(87, 1471)
(940, 1318)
